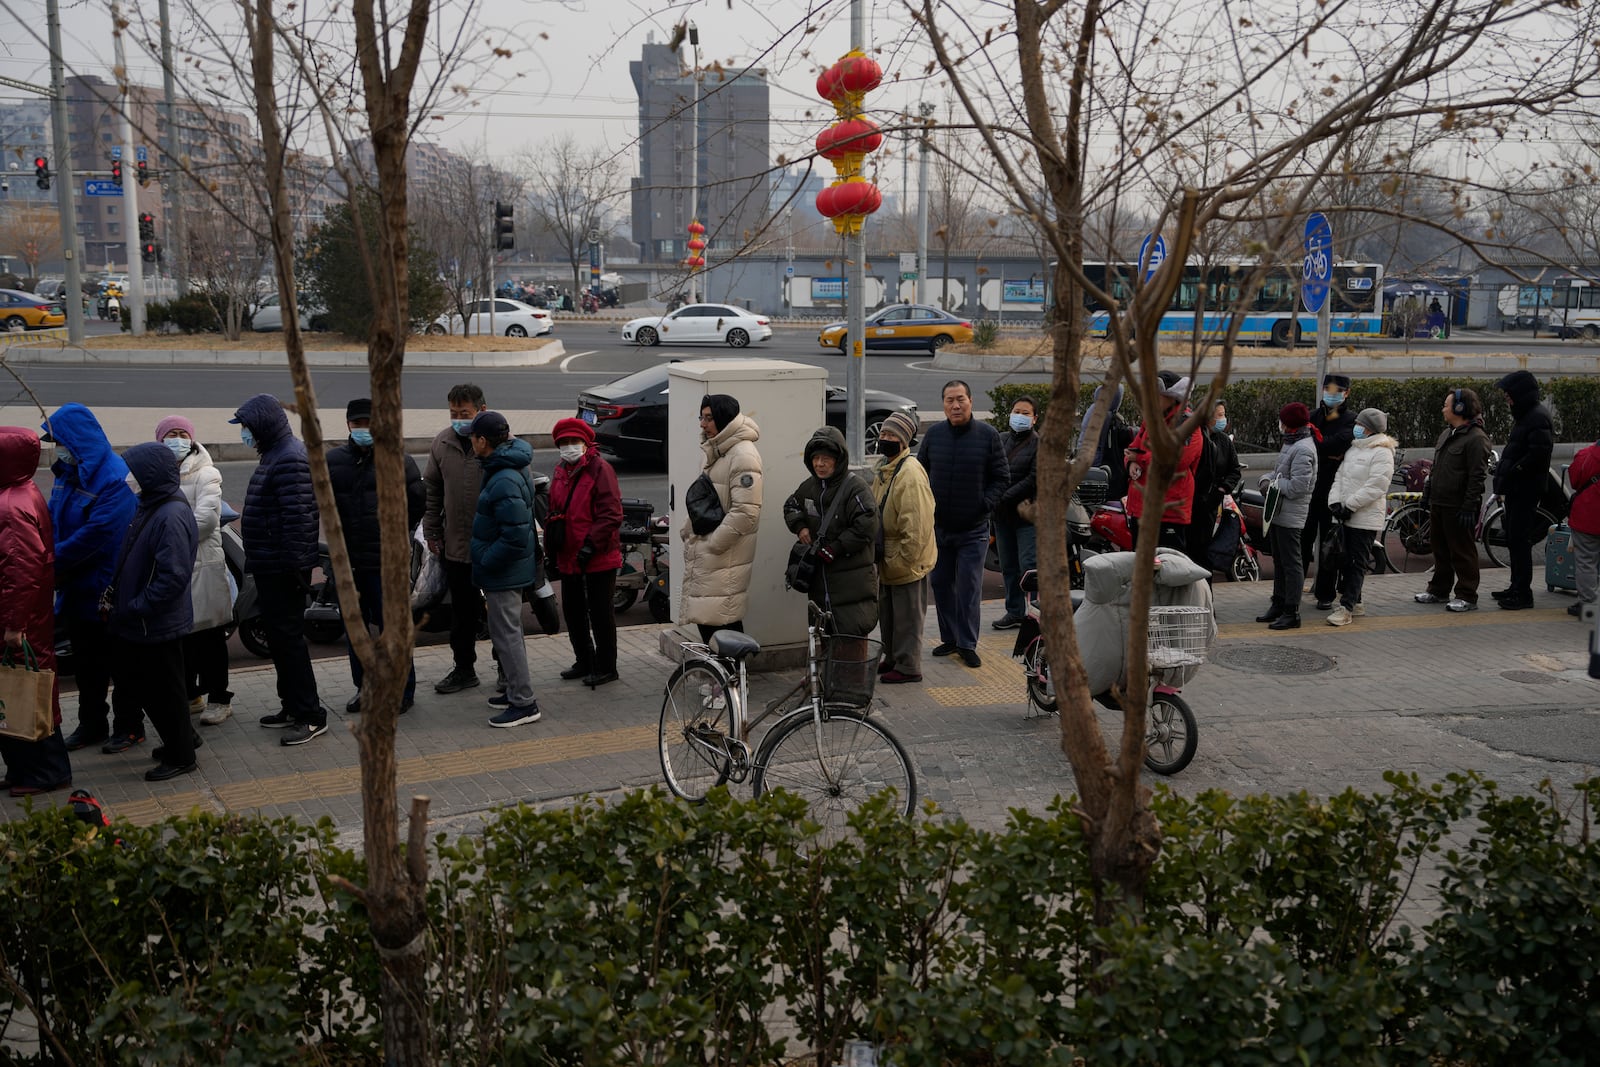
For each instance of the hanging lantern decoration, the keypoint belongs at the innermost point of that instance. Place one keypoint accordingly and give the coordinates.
(848, 142)
(696, 245)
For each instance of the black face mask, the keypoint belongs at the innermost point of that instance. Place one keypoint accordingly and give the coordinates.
(888, 447)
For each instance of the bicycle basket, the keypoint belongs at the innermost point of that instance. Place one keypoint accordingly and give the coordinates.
(1095, 487)
(850, 669)
(1179, 635)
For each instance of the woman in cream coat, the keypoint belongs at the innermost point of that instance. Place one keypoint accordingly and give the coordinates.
(717, 566)
(205, 648)
(1358, 498)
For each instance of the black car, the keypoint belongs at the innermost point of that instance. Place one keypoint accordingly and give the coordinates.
(629, 415)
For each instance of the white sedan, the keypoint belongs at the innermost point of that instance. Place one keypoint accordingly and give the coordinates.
(700, 324)
(511, 317)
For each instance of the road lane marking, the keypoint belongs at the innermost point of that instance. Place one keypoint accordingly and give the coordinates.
(575, 355)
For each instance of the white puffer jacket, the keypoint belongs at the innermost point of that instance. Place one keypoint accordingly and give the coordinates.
(716, 567)
(208, 588)
(1362, 481)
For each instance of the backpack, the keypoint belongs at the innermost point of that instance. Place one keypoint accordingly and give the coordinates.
(1207, 475)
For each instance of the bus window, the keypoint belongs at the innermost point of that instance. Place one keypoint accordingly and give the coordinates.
(1277, 293)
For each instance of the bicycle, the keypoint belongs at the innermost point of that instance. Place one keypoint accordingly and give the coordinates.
(826, 749)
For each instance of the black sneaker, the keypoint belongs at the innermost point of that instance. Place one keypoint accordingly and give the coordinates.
(1007, 622)
(166, 771)
(353, 707)
(1324, 605)
(574, 672)
(278, 720)
(969, 656)
(121, 743)
(948, 648)
(457, 680)
(516, 716)
(303, 733)
(79, 739)
(1501, 594)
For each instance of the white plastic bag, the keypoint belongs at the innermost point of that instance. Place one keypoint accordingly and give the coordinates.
(431, 584)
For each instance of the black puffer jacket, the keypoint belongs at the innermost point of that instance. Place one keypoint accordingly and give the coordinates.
(1022, 463)
(1524, 464)
(968, 474)
(355, 491)
(279, 524)
(849, 587)
(1338, 430)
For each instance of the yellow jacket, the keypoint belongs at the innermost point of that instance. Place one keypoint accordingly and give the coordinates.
(905, 509)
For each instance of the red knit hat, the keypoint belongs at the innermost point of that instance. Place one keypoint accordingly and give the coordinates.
(566, 428)
(1294, 415)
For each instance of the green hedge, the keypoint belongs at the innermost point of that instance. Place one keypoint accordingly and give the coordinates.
(1413, 405)
(648, 931)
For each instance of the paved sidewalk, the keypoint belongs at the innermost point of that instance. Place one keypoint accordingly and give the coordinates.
(1407, 687)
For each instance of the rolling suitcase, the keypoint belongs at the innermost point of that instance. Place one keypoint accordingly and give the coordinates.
(1559, 572)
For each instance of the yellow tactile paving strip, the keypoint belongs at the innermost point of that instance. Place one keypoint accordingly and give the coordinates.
(291, 788)
(998, 681)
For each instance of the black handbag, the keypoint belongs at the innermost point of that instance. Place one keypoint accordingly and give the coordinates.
(801, 572)
(705, 506)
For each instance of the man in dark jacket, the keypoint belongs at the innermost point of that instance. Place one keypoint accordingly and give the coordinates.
(1519, 480)
(1454, 495)
(150, 606)
(452, 479)
(848, 578)
(504, 558)
(280, 530)
(967, 473)
(355, 493)
(1335, 421)
(90, 508)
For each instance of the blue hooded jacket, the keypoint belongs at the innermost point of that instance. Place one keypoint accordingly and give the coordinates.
(152, 601)
(90, 508)
(504, 550)
(280, 522)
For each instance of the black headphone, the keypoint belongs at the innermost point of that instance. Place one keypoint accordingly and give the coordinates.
(1458, 405)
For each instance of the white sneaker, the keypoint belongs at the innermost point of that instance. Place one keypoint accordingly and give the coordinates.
(1359, 610)
(1339, 616)
(215, 714)
(1461, 605)
(197, 705)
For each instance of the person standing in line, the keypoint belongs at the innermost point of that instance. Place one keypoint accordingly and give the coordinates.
(1223, 477)
(90, 508)
(355, 493)
(1334, 424)
(587, 502)
(205, 646)
(907, 550)
(847, 579)
(1014, 536)
(1584, 522)
(717, 565)
(281, 530)
(150, 607)
(1112, 444)
(1295, 477)
(452, 479)
(1520, 479)
(504, 554)
(1454, 496)
(1177, 509)
(1358, 499)
(967, 474)
(27, 607)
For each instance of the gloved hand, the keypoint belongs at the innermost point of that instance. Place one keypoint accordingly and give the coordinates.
(1339, 511)
(585, 554)
(825, 554)
(1467, 520)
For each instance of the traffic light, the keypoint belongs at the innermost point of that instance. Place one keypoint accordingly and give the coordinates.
(147, 226)
(147, 251)
(142, 169)
(505, 233)
(116, 171)
(41, 167)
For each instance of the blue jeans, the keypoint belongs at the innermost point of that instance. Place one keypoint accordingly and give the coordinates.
(1016, 545)
(369, 586)
(957, 581)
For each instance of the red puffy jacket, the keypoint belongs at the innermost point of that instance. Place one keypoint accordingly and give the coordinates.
(1585, 517)
(27, 550)
(587, 495)
(1180, 494)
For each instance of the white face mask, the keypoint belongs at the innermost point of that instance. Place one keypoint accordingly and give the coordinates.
(133, 483)
(572, 453)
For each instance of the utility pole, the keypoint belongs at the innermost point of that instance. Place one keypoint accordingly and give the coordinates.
(130, 187)
(924, 290)
(171, 173)
(694, 157)
(64, 202)
(855, 380)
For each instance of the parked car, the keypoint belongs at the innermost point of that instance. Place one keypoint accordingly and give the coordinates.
(512, 318)
(29, 311)
(269, 315)
(902, 326)
(700, 324)
(629, 415)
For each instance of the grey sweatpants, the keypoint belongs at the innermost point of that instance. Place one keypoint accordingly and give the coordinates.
(1586, 560)
(901, 610)
(510, 646)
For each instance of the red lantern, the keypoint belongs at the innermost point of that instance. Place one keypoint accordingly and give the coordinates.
(858, 135)
(828, 84)
(859, 74)
(696, 228)
(825, 202)
(697, 245)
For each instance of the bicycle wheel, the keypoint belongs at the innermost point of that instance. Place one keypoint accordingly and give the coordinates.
(1171, 734)
(696, 727)
(1036, 669)
(835, 765)
(1494, 535)
(1406, 543)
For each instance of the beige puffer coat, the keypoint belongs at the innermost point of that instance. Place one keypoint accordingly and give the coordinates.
(208, 586)
(716, 567)
(905, 508)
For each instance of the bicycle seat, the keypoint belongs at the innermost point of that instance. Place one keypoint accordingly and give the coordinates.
(731, 644)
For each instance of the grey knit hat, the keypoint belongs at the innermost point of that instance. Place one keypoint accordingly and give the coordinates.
(900, 424)
(1374, 420)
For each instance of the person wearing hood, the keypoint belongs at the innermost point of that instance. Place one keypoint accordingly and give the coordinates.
(355, 494)
(1178, 507)
(1013, 534)
(1358, 499)
(1519, 480)
(452, 478)
(505, 553)
(27, 607)
(585, 491)
(1115, 437)
(150, 605)
(717, 565)
(906, 550)
(847, 583)
(1334, 424)
(281, 528)
(205, 646)
(1295, 477)
(90, 508)
(1454, 496)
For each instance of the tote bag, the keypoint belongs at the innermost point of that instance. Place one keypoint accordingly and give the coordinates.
(27, 704)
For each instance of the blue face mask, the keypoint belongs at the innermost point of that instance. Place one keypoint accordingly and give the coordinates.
(362, 438)
(65, 455)
(246, 436)
(1359, 432)
(1332, 400)
(1220, 425)
(462, 426)
(1021, 423)
(180, 447)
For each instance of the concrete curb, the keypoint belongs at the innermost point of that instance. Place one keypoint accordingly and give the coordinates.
(215, 357)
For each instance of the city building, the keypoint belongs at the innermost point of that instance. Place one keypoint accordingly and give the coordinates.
(24, 136)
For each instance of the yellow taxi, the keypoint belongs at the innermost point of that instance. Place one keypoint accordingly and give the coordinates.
(29, 311)
(902, 326)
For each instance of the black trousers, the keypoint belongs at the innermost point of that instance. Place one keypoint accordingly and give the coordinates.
(369, 587)
(92, 659)
(1357, 562)
(282, 596)
(205, 665)
(1520, 519)
(466, 613)
(152, 676)
(591, 623)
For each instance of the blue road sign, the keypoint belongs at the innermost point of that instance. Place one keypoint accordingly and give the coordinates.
(116, 151)
(92, 188)
(1155, 247)
(1317, 267)
(141, 154)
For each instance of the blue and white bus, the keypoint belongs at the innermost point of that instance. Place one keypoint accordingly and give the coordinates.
(1270, 311)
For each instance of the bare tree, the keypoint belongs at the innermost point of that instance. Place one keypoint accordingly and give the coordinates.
(225, 266)
(30, 229)
(458, 225)
(570, 195)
